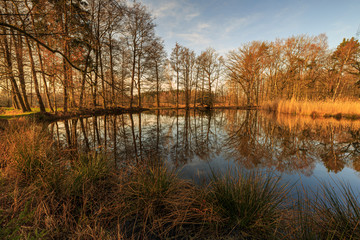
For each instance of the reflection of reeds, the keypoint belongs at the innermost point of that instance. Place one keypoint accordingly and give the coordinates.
(348, 109)
(307, 122)
(334, 142)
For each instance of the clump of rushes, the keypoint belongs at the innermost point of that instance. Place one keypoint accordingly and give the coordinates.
(28, 151)
(248, 203)
(28, 159)
(159, 204)
(90, 182)
(89, 170)
(47, 193)
(300, 221)
(337, 212)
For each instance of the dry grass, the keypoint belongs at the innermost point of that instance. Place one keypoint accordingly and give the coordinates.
(45, 192)
(159, 204)
(48, 194)
(349, 109)
(10, 112)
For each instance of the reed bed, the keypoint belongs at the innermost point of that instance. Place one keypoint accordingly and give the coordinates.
(48, 193)
(338, 109)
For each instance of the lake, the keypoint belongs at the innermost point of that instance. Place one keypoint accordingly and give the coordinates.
(304, 151)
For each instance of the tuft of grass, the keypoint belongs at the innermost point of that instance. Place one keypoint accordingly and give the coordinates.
(338, 212)
(28, 149)
(301, 220)
(21, 226)
(89, 170)
(332, 213)
(247, 202)
(47, 192)
(158, 203)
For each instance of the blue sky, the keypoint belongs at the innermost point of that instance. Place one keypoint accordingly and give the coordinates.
(227, 24)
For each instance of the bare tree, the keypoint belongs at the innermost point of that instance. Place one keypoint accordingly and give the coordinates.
(175, 64)
(210, 63)
(156, 58)
(245, 67)
(139, 33)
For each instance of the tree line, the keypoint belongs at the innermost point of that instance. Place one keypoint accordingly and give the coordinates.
(91, 53)
(300, 68)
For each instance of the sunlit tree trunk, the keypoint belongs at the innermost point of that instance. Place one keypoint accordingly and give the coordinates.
(20, 64)
(36, 82)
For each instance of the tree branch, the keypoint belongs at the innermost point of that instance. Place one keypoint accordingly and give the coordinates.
(41, 43)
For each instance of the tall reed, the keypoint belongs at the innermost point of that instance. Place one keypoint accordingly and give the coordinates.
(349, 109)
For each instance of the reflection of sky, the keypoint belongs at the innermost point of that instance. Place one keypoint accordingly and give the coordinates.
(211, 149)
(226, 24)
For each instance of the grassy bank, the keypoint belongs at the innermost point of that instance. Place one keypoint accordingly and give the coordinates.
(51, 193)
(338, 109)
(9, 112)
(35, 114)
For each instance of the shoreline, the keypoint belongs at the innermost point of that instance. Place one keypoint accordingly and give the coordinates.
(89, 112)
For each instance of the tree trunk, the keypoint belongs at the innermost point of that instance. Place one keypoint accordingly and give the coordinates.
(177, 88)
(112, 71)
(96, 68)
(20, 63)
(10, 71)
(102, 79)
(157, 84)
(44, 79)
(83, 81)
(133, 78)
(139, 79)
(36, 83)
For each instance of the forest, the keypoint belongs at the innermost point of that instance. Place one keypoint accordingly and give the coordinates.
(61, 55)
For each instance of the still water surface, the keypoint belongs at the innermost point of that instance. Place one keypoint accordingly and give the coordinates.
(303, 151)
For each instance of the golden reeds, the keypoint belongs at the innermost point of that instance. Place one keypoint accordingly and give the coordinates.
(338, 109)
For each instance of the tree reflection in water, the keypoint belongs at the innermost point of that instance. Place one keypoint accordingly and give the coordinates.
(250, 139)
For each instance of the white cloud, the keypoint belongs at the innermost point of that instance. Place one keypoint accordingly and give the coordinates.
(203, 26)
(179, 21)
(195, 39)
(191, 16)
(174, 9)
(165, 9)
(238, 23)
